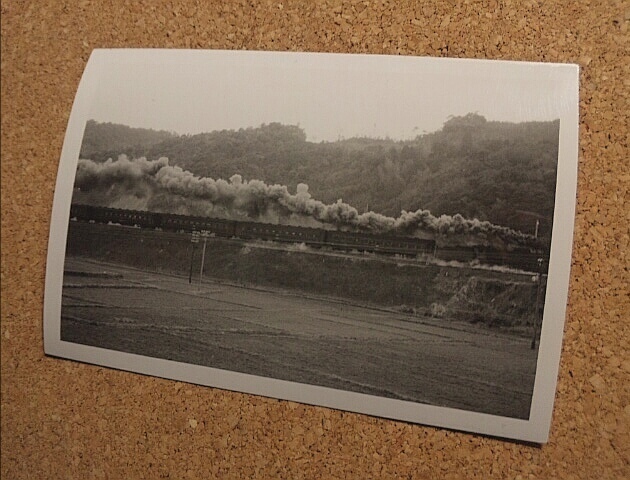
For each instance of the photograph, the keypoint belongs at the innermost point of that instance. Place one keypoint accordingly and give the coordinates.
(389, 235)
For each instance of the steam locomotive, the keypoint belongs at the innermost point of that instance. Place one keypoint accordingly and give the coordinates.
(523, 258)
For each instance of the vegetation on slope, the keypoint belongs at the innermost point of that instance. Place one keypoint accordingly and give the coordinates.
(501, 172)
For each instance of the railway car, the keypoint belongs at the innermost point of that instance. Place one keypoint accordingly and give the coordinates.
(405, 245)
(518, 258)
(80, 212)
(378, 243)
(112, 215)
(218, 226)
(170, 221)
(280, 233)
(459, 254)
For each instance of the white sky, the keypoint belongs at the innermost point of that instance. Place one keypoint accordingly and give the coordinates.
(328, 95)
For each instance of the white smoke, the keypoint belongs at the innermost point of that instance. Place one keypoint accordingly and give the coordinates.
(162, 187)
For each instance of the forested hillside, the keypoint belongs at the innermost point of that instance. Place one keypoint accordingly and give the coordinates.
(501, 172)
(107, 139)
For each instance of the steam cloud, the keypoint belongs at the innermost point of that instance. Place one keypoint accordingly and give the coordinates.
(155, 185)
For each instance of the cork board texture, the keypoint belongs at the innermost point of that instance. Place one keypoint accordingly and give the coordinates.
(63, 419)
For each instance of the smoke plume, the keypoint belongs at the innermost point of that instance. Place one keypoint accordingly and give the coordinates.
(155, 185)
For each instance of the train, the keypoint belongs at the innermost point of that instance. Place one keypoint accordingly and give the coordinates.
(521, 258)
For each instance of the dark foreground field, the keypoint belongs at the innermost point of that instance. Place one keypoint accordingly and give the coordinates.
(297, 337)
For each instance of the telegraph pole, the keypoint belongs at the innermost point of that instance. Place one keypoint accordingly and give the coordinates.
(538, 293)
(194, 239)
(204, 234)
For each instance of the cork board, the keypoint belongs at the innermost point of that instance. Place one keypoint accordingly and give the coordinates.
(64, 419)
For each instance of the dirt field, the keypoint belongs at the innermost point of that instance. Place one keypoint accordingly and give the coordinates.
(290, 336)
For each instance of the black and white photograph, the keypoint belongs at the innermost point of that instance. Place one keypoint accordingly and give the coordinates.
(387, 235)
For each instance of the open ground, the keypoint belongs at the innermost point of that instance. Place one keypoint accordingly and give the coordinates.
(295, 336)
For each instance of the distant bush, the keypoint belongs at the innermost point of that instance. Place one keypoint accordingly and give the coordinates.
(437, 310)
(407, 309)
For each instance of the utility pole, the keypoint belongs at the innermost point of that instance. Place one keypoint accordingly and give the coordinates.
(538, 218)
(538, 294)
(204, 234)
(194, 239)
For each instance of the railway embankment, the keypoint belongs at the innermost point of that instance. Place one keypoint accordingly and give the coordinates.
(502, 300)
